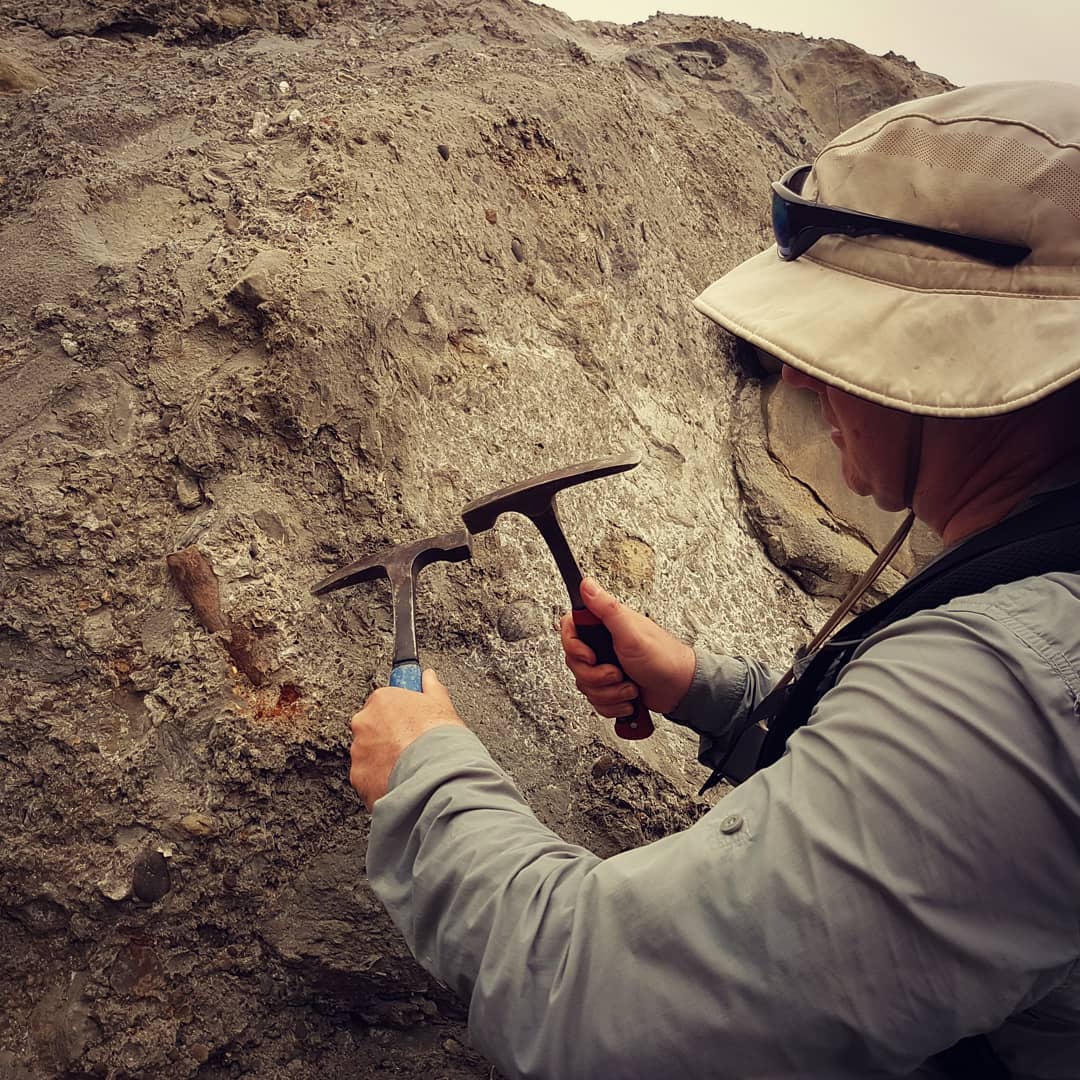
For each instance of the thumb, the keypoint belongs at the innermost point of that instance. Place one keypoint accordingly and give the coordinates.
(623, 623)
(434, 688)
(602, 604)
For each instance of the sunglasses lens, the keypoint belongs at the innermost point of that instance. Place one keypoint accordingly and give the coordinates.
(783, 227)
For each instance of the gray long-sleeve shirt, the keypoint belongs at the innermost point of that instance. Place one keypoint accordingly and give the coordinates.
(908, 874)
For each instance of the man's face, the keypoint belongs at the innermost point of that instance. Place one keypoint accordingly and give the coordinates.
(874, 442)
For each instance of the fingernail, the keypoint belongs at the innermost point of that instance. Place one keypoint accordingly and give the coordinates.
(590, 588)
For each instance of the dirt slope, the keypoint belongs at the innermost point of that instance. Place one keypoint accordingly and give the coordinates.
(287, 282)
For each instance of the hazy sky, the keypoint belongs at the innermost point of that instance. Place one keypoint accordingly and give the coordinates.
(965, 40)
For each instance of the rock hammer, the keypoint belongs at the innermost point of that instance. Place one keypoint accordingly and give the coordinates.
(535, 499)
(402, 565)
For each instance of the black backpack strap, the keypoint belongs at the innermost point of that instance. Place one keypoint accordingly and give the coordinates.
(972, 1058)
(1042, 539)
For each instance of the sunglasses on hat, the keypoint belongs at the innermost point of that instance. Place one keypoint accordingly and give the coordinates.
(799, 223)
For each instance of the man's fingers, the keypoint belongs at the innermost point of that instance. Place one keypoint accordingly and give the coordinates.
(604, 685)
(580, 655)
(610, 695)
(591, 677)
(573, 646)
(613, 712)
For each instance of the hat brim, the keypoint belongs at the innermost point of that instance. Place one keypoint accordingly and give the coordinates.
(931, 352)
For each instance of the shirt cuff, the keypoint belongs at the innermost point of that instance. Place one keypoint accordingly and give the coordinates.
(717, 692)
(440, 750)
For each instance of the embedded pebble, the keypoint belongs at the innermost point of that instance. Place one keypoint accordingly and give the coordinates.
(42, 917)
(255, 284)
(151, 880)
(260, 123)
(115, 886)
(188, 493)
(444, 151)
(603, 765)
(271, 524)
(70, 346)
(17, 76)
(198, 824)
(518, 248)
(627, 561)
(99, 631)
(520, 620)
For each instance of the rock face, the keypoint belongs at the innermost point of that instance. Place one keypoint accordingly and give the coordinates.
(285, 283)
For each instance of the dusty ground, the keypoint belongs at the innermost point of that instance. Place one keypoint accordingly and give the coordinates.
(288, 282)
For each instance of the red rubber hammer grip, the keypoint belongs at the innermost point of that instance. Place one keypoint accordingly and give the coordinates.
(596, 635)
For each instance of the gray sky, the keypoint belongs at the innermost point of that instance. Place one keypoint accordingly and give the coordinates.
(965, 40)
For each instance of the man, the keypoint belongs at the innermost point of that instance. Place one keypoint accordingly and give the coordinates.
(906, 873)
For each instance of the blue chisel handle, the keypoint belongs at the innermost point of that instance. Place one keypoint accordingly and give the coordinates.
(407, 676)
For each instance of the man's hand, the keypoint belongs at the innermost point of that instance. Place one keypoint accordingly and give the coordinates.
(660, 665)
(390, 720)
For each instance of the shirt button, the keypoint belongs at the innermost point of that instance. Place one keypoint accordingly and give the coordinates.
(731, 824)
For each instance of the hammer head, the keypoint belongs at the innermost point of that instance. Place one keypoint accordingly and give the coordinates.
(536, 496)
(399, 563)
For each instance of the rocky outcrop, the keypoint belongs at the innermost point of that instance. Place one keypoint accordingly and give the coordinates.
(285, 283)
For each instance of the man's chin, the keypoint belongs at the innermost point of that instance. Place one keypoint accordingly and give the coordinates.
(858, 485)
(890, 506)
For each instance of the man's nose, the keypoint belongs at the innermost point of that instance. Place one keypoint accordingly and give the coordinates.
(801, 381)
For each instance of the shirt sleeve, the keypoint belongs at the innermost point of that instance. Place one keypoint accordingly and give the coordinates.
(893, 884)
(723, 692)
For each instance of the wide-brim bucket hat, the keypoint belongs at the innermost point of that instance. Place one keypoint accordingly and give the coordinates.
(914, 326)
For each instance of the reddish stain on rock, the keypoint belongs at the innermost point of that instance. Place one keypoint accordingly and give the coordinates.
(287, 706)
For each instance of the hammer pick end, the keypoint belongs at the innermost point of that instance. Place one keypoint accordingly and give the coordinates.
(535, 495)
(405, 559)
